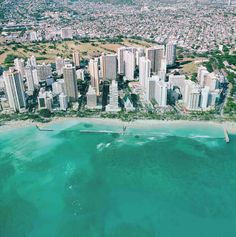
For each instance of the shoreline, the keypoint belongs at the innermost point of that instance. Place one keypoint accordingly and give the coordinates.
(145, 124)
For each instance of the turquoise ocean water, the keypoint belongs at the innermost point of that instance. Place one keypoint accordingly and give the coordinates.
(162, 182)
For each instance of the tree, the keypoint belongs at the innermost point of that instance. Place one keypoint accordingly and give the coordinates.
(46, 113)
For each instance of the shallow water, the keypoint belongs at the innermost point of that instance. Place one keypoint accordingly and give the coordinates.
(164, 181)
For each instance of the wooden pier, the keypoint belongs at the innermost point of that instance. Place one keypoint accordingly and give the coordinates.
(226, 135)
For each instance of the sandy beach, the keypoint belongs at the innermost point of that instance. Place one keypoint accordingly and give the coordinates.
(10, 125)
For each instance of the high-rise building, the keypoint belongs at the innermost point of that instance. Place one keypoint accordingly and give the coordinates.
(19, 64)
(94, 73)
(113, 101)
(192, 95)
(129, 60)
(63, 101)
(91, 98)
(45, 99)
(32, 61)
(43, 71)
(59, 65)
(151, 88)
(76, 58)
(58, 87)
(80, 74)
(15, 90)
(155, 55)
(171, 53)
(204, 97)
(70, 82)
(29, 78)
(144, 70)
(161, 93)
(121, 59)
(139, 54)
(108, 66)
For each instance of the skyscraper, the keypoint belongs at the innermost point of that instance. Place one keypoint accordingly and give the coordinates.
(155, 55)
(76, 58)
(45, 99)
(29, 78)
(91, 98)
(15, 90)
(108, 66)
(161, 93)
(70, 82)
(94, 73)
(121, 59)
(19, 64)
(129, 60)
(171, 54)
(59, 65)
(204, 97)
(63, 101)
(43, 71)
(144, 70)
(113, 101)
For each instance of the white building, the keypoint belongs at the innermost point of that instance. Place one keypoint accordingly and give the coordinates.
(63, 100)
(19, 64)
(94, 73)
(171, 53)
(33, 36)
(43, 71)
(161, 93)
(129, 60)
(80, 74)
(76, 58)
(15, 90)
(59, 65)
(91, 98)
(30, 79)
(45, 99)
(121, 59)
(144, 70)
(113, 102)
(204, 97)
(58, 87)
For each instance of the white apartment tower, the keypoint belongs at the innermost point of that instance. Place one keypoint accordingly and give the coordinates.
(59, 65)
(91, 98)
(76, 58)
(144, 70)
(63, 101)
(113, 103)
(15, 90)
(129, 60)
(171, 54)
(161, 93)
(94, 73)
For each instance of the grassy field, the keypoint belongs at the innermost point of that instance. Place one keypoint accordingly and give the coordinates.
(192, 65)
(47, 52)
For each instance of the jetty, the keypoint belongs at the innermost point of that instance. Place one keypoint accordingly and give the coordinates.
(100, 131)
(106, 131)
(43, 129)
(226, 135)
